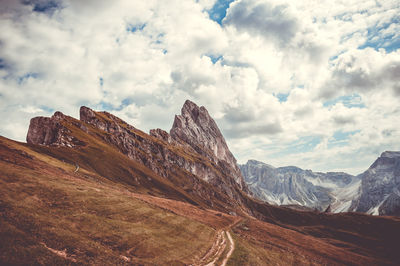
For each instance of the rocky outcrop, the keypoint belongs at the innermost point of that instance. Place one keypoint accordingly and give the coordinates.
(294, 186)
(51, 131)
(162, 135)
(196, 128)
(163, 153)
(380, 187)
(190, 161)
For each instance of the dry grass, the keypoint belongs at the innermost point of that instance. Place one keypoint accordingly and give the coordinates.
(247, 253)
(260, 241)
(51, 216)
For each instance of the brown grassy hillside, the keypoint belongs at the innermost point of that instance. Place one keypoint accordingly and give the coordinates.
(115, 210)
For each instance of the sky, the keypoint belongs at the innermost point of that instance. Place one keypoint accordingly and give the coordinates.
(315, 84)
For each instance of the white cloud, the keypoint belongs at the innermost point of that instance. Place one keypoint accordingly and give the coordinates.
(336, 61)
(271, 20)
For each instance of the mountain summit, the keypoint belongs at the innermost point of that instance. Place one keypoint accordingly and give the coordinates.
(379, 193)
(197, 128)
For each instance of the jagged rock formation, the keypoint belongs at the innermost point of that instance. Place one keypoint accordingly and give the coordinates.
(162, 135)
(294, 186)
(379, 192)
(196, 128)
(182, 157)
(51, 131)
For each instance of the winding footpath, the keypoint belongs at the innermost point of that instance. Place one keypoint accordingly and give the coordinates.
(231, 249)
(222, 241)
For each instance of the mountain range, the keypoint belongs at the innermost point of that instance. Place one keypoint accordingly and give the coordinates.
(376, 191)
(294, 186)
(99, 191)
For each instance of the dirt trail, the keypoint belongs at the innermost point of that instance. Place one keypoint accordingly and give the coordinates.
(231, 249)
(218, 247)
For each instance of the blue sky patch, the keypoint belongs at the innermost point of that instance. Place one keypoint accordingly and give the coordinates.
(343, 135)
(105, 106)
(109, 107)
(46, 109)
(215, 58)
(303, 144)
(341, 138)
(218, 11)
(350, 101)
(282, 97)
(376, 38)
(135, 28)
(126, 102)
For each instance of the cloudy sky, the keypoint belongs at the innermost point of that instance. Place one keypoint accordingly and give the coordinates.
(309, 83)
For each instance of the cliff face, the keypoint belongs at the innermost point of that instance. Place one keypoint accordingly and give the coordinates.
(163, 153)
(189, 160)
(380, 186)
(196, 128)
(51, 131)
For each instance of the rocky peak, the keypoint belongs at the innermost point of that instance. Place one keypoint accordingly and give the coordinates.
(380, 186)
(255, 163)
(387, 159)
(390, 154)
(51, 131)
(89, 116)
(86, 113)
(58, 116)
(196, 128)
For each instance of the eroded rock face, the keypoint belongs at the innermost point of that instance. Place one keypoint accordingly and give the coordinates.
(89, 116)
(380, 187)
(199, 156)
(291, 185)
(162, 135)
(50, 131)
(196, 128)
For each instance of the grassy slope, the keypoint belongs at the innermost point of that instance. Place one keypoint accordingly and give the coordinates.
(359, 235)
(84, 217)
(96, 216)
(259, 241)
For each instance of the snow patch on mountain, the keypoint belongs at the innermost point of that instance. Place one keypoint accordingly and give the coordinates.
(292, 185)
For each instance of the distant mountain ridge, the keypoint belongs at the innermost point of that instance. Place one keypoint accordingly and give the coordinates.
(292, 185)
(376, 191)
